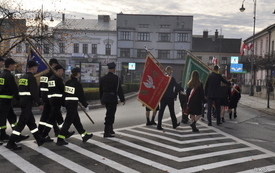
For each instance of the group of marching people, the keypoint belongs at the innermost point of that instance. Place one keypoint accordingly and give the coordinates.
(49, 96)
(218, 94)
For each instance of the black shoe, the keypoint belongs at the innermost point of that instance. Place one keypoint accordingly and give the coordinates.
(69, 134)
(48, 139)
(13, 147)
(235, 115)
(108, 135)
(41, 141)
(230, 115)
(184, 121)
(61, 142)
(148, 123)
(87, 137)
(21, 138)
(159, 128)
(178, 124)
(4, 137)
(195, 129)
(153, 123)
(223, 119)
(219, 124)
(209, 124)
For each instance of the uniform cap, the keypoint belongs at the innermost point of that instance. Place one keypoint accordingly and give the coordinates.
(32, 63)
(58, 66)
(111, 65)
(53, 61)
(9, 61)
(76, 70)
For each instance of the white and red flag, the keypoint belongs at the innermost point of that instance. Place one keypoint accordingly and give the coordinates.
(153, 84)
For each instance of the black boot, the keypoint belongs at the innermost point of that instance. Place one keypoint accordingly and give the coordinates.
(184, 119)
(4, 135)
(61, 142)
(194, 128)
(235, 114)
(39, 139)
(112, 130)
(223, 119)
(153, 121)
(107, 132)
(21, 138)
(11, 144)
(148, 122)
(230, 115)
(86, 137)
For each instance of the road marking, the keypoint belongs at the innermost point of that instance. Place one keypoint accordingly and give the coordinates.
(261, 169)
(57, 158)
(131, 156)
(180, 159)
(18, 161)
(100, 159)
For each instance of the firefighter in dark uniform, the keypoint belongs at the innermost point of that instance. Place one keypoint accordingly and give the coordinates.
(44, 91)
(109, 89)
(28, 92)
(73, 94)
(8, 91)
(56, 91)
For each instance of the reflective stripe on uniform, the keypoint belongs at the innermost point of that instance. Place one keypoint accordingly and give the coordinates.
(16, 133)
(13, 125)
(48, 125)
(6, 97)
(60, 126)
(71, 98)
(44, 89)
(42, 123)
(54, 95)
(61, 136)
(83, 134)
(24, 93)
(3, 127)
(34, 130)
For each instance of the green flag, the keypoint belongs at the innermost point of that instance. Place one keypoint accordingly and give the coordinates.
(193, 63)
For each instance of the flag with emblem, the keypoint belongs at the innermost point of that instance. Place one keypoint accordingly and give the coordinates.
(42, 65)
(153, 84)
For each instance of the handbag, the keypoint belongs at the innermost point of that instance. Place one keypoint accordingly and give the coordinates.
(187, 109)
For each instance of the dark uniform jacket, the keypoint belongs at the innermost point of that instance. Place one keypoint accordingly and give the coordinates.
(172, 89)
(29, 88)
(8, 87)
(196, 100)
(109, 88)
(43, 86)
(56, 87)
(213, 85)
(74, 92)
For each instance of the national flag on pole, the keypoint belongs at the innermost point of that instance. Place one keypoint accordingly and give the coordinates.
(191, 64)
(153, 84)
(35, 57)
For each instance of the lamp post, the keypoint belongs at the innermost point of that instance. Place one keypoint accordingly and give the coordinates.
(242, 9)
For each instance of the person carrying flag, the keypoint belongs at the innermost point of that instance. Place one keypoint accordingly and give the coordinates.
(73, 93)
(28, 92)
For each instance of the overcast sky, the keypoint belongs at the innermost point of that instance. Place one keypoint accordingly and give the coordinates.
(210, 15)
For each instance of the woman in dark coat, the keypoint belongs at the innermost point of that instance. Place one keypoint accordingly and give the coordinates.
(195, 97)
(235, 97)
(226, 95)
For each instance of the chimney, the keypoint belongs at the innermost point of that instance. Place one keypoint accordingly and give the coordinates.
(63, 17)
(205, 34)
(216, 34)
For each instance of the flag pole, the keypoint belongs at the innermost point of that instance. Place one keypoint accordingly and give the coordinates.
(40, 56)
(158, 63)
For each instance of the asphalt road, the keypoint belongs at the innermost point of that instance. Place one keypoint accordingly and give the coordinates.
(244, 144)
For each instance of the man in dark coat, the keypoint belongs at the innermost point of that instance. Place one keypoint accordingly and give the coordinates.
(109, 89)
(213, 93)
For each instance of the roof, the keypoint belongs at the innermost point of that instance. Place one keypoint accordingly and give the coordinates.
(87, 24)
(219, 45)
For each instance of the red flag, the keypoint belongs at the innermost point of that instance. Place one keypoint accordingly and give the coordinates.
(153, 84)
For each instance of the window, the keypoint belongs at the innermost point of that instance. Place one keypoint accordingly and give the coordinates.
(46, 49)
(143, 36)
(181, 54)
(141, 53)
(165, 37)
(76, 48)
(108, 49)
(144, 25)
(182, 37)
(124, 52)
(224, 60)
(125, 35)
(61, 48)
(85, 48)
(94, 48)
(27, 47)
(19, 48)
(164, 26)
(210, 59)
(163, 54)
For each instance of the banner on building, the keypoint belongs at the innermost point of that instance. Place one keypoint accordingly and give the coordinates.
(193, 63)
(153, 84)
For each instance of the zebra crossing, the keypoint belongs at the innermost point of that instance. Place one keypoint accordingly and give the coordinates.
(143, 149)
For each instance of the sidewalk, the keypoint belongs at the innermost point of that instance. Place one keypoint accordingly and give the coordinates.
(258, 103)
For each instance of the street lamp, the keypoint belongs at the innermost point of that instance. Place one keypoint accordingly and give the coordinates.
(242, 9)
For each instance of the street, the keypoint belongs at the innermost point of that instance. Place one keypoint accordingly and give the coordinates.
(244, 144)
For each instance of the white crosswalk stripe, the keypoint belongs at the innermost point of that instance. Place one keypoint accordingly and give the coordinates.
(138, 144)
